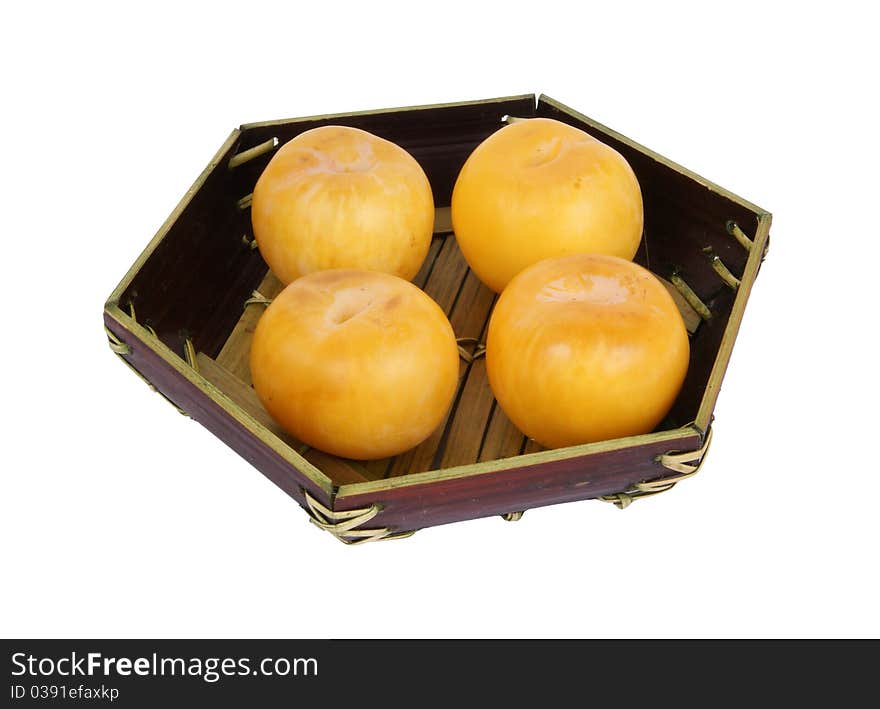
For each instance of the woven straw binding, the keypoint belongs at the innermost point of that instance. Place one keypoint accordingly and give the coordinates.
(344, 524)
(687, 464)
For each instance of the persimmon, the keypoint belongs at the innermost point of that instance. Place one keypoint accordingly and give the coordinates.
(340, 197)
(585, 348)
(539, 188)
(359, 364)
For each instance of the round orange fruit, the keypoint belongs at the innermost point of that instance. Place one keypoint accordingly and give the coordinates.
(340, 197)
(359, 364)
(585, 348)
(540, 188)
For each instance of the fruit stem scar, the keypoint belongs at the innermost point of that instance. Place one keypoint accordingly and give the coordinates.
(343, 315)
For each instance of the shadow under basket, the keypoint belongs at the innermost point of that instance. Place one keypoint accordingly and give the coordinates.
(184, 315)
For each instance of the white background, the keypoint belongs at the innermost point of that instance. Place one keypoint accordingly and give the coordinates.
(121, 518)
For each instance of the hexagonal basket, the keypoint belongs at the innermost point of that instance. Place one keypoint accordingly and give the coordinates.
(184, 314)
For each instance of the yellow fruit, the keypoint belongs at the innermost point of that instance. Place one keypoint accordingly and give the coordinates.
(586, 348)
(339, 197)
(539, 188)
(360, 364)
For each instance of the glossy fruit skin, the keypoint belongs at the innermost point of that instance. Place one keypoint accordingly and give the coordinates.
(340, 197)
(586, 348)
(540, 188)
(359, 364)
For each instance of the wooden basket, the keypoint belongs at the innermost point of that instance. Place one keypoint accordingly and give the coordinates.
(184, 314)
